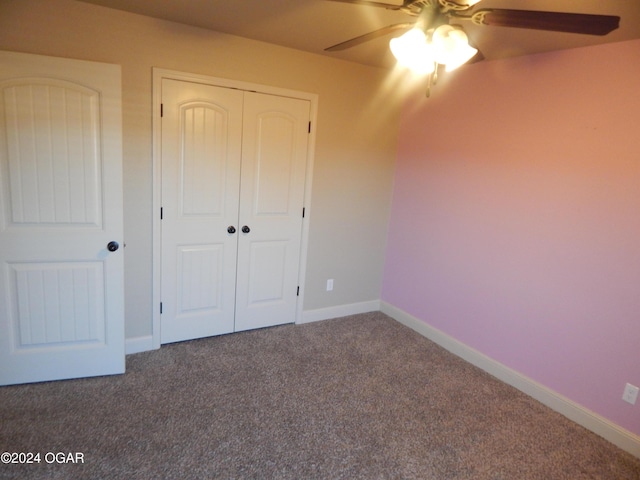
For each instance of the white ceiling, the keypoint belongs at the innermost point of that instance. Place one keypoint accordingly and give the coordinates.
(313, 25)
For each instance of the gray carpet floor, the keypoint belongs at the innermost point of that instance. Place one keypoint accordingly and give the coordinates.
(361, 397)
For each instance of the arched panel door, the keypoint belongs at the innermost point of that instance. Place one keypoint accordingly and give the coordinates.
(61, 261)
(201, 135)
(274, 155)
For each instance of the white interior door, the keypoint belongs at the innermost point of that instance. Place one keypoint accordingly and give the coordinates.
(201, 141)
(230, 160)
(61, 288)
(274, 155)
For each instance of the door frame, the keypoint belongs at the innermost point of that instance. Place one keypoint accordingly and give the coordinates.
(158, 75)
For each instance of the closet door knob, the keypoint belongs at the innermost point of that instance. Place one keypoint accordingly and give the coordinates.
(245, 229)
(231, 229)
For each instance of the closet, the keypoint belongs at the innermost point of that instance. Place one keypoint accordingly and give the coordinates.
(233, 167)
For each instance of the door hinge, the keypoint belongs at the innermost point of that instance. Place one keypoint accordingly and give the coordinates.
(303, 209)
(298, 291)
(161, 213)
(309, 127)
(160, 308)
(161, 110)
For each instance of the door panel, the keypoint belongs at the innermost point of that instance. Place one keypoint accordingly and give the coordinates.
(61, 290)
(202, 159)
(201, 135)
(267, 272)
(275, 143)
(53, 141)
(274, 153)
(58, 303)
(200, 278)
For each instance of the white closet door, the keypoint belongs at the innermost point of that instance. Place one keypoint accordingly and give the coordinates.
(201, 140)
(61, 288)
(274, 154)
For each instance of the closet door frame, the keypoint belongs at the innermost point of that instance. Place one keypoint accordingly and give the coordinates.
(158, 75)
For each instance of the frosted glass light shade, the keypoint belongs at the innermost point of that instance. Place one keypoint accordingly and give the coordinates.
(412, 51)
(448, 46)
(462, 55)
(451, 47)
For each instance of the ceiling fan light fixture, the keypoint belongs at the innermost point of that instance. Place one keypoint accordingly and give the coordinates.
(446, 45)
(412, 51)
(451, 47)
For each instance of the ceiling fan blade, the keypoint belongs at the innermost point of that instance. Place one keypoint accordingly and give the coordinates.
(554, 21)
(369, 36)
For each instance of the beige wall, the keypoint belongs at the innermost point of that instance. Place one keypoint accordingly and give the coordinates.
(355, 144)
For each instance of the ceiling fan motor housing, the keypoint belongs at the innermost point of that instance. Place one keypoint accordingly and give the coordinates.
(457, 4)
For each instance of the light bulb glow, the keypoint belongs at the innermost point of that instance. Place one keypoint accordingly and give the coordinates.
(447, 46)
(462, 55)
(412, 51)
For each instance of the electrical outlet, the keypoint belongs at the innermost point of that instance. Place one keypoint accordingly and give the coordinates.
(630, 394)
(329, 284)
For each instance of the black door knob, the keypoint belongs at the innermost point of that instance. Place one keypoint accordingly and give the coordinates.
(112, 246)
(231, 229)
(245, 229)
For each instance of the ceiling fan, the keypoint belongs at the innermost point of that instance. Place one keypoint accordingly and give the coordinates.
(435, 39)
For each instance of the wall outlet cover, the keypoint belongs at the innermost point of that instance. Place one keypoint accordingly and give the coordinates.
(630, 394)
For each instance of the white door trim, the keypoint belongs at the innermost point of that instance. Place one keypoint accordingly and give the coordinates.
(158, 75)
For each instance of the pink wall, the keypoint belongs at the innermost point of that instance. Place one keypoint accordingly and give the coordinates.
(515, 224)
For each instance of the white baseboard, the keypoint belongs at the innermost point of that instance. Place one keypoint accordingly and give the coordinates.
(138, 344)
(617, 435)
(339, 311)
(145, 343)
